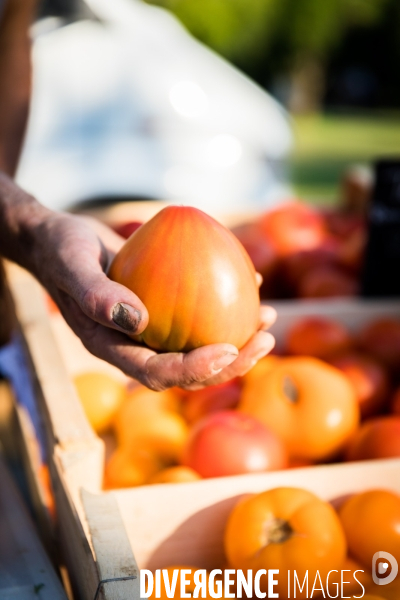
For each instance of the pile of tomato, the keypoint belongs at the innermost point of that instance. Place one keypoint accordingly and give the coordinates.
(330, 396)
(327, 550)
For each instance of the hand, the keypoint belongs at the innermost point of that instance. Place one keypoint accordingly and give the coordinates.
(71, 256)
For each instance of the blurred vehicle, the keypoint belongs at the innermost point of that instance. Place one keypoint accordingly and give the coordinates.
(127, 105)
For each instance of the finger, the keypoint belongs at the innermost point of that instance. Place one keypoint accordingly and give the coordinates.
(268, 317)
(108, 303)
(183, 370)
(259, 279)
(156, 371)
(259, 346)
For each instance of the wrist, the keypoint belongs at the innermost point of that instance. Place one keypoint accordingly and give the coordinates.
(21, 218)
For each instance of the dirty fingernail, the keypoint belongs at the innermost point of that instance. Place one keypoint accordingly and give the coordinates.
(126, 317)
(224, 361)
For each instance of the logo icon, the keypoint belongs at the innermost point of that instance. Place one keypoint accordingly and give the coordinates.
(381, 561)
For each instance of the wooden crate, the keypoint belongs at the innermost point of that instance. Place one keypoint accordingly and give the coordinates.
(26, 571)
(103, 534)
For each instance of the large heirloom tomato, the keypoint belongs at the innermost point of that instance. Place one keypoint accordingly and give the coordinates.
(287, 529)
(195, 279)
(310, 405)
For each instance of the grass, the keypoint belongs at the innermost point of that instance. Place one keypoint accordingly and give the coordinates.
(326, 144)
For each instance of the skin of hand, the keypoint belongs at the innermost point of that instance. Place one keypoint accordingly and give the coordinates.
(70, 256)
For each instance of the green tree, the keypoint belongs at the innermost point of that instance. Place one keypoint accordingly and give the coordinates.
(266, 38)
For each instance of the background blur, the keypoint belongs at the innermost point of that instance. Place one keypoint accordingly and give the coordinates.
(334, 64)
(229, 102)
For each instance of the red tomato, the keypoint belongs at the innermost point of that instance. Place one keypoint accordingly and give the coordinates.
(293, 227)
(382, 339)
(126, 229)
(211, 399)
(368, 378)
(376, 438)
(231, 443)
(317, 336)
(195, 279)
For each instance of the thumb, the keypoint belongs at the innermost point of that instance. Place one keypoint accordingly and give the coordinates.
(111, 304)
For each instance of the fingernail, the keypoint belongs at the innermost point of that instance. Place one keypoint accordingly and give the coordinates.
(224, 361)
(126, 317)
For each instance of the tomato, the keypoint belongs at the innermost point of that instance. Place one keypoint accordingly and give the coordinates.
(328, 281)
(211, 399)
(101, 396)
(260, 250)
(148, 420)
(369, 379)
(381, 339)
(293, 227)
(130, 467)
(195, 279)
(230, 443)
(285, 529)
(177, 474)
(395, 403)
(377, 438)
(126, 229)
(309, 404)
(317, 336)
(371, 521)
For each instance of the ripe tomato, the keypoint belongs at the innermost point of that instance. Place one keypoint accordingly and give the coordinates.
(195, 279)
(381, 339)
(130, 467)
(230, 443)
(371, 521)
(293, 227)
(285, 529)
(377, 438)
(368, 378)
(309, 404)
(146, 420)
(317, 336)
(328, 281)
(211, 399)
(101, 396)
(395, 403)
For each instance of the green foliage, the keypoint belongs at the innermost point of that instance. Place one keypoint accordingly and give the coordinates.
(242, 29)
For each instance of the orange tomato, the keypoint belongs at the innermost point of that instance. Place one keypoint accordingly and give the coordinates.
(162, 432)
(285, 529)
(317, 336)
(260, 369)
(101, 396)
(130, 468)
(371, 521)
(189, 588)
(310, 405)
(377, 438)
(195, 279)
(177, 474)
(140, 400)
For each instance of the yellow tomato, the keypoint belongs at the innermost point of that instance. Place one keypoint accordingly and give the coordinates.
(101, 395)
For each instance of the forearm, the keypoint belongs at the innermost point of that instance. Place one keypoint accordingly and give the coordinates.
(15, 79)
(21, 218)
